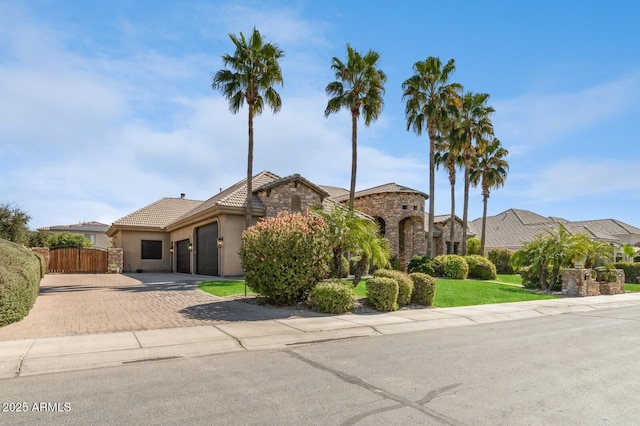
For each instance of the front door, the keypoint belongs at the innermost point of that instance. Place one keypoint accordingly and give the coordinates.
(183, 257)
(207, 249)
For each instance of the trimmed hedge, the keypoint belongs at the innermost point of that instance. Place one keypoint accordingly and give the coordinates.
(382, 293)
(405, 285)
(501, 257)
(480, 267)
(453, 266)
(424, 264)
(631, 270)
(284, 257)
(424, 288)
(332, 297)
(20, 274)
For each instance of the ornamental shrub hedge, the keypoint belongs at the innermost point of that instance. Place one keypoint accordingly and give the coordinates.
(332, 297)
(284, 257)
(405, 285)
(501, 257)
(382, 293)
(424, 288)
(453, 266)
(480, 267)
(20, 273)
(425, 265)
(631, 270)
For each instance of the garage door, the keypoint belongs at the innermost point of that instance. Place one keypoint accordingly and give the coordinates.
(207, 249)
(183, 258)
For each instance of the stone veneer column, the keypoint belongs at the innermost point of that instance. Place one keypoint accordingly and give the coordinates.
(115, 259)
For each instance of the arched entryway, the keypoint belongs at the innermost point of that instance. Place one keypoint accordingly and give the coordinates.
(207, 249)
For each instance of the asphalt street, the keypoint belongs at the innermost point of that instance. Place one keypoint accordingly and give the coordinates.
(573, 368)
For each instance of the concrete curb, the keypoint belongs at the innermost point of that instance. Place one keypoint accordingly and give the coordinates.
(55, 354)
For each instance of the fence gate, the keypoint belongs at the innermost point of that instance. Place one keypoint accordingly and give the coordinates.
(77, 260)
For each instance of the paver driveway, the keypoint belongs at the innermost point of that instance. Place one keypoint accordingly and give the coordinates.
(103, 303)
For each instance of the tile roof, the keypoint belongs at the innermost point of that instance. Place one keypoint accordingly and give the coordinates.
(158, 214)
(381, 189)
(334, 191)
(294, 178)
(82, 226)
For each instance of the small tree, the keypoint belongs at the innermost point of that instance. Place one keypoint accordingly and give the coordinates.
(473, 246)
(13, 224)
(285, 257)
(39, 238)
(629, 252)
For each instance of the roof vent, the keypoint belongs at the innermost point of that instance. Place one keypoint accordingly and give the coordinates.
(182, 195)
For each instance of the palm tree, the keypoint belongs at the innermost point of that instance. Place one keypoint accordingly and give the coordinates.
(359, 87)
(490, 171)
(430, 101)
(254, 70)
(474, 124)
(448, 155)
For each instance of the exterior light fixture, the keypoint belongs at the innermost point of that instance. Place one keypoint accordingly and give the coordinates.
(190, 246)
(220, 241)
(171, 248)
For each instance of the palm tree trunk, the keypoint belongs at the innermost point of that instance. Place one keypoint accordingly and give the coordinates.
(485, 199)
(354, 159)
(452, 221)
(432, 186)
(465, 216)
(250, 170)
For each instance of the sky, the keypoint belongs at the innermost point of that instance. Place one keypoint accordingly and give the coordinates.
(106, 107)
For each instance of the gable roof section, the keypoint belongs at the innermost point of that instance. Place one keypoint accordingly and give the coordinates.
(156, 215)
(382, 189)
(334, 191)
(292, 178)
(233, 197)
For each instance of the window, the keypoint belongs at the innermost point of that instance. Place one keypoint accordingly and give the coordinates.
(296, 204)
(151, 249)
(91, 237)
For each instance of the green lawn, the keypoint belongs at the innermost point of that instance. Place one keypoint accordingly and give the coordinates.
(632, 287)
(448, 292)
(224, 288)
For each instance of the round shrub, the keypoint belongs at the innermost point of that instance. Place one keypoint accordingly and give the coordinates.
(382, 293)
(453, 266)
(501, 257)
(530, 278)
(332, 297)
(424, 288)
(473, 245)
(405, 285)
(480, 267)
(423, 264)
(285, 256)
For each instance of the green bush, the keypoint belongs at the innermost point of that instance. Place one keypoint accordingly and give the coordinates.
(480, 267)
(382, 293)
(501, 257)
(405, 285)
(453, 266)
(332, 297)
(473, 245)
(394, 261)
(631, 270)
(284, 257)
(67, 239)
(43, 264)
(424, 288)
(425, 265)
(19, 281)
(530, 278)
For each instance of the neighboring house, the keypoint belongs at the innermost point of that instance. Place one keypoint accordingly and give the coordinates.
(203, 237)
(512, 228)
(95, 232)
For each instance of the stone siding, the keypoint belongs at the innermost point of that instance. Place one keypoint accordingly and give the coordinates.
(441, 242)
(403, 216)
(281, 198)
(115, 259)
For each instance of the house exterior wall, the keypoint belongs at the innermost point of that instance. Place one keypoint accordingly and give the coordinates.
(131, 243)
(441, 242)
(395, 208)
(279, 198)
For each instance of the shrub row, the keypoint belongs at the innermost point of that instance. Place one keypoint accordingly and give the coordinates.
(454, 266)
(390, 289)
(20, 273)
(631, 270)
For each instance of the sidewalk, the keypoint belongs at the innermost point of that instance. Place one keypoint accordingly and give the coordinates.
(54, 354)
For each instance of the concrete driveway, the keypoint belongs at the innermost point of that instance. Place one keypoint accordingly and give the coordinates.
(77, 304)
